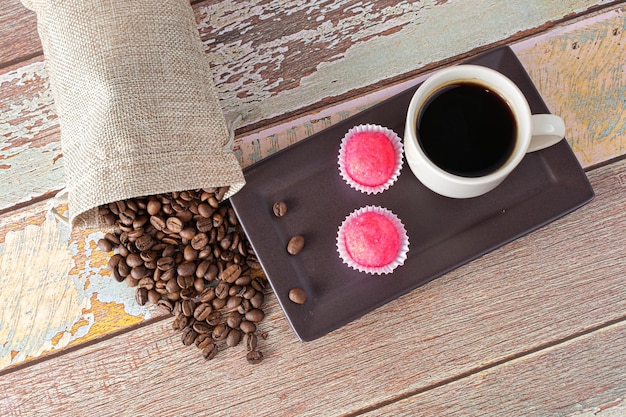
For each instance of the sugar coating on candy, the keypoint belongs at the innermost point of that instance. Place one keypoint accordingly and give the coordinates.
(370, 158)
(371, 239)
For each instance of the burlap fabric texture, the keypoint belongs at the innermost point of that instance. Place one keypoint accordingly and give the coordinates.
(136, 101)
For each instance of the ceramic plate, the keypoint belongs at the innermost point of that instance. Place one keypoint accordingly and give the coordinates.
(444, 233)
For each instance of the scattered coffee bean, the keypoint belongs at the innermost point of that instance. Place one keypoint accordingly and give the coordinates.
(247, 326)
(254, 357)
(210, 352)
(141, 296)
(297, 295)
(279, 208)
(187, 254)
(188, 336)
(255, 315)
(105, 245)
(295, 244)
(180, 322)
(250, 340)
(233, 338)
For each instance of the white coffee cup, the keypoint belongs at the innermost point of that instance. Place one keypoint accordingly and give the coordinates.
(529, 133)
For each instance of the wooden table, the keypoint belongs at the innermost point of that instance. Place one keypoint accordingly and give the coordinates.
(537, 327)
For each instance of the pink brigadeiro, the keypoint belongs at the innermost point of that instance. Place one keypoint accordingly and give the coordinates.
(372, 239)
(370, 158)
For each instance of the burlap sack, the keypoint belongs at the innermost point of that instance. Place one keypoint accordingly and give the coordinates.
(136, 102)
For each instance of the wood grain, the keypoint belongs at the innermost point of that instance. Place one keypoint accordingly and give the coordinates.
(56, 289)
(35, 167)
(537, 293)
(594, 50)
(18, 33)
(580, 377)
(272, 58)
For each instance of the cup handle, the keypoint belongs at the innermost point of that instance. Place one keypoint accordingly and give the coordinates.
(547, 130)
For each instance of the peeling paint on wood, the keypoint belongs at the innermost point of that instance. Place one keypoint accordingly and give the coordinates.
(55, 294)
(580, 71)
(272, 58)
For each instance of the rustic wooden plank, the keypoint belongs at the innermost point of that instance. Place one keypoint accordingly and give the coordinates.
(597, 121)
(56, 289)
(18, 33)
(31, 162)
(563, 280)
(580, 377)
(272, 58)
(249, 149)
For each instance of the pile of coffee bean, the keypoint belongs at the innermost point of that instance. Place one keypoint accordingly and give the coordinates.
(187, 253)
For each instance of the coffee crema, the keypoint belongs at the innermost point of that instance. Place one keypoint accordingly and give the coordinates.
(466, 129)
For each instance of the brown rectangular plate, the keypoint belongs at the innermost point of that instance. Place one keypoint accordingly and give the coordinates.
(444, 233)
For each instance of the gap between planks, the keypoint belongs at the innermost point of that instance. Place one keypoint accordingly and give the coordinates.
(491, 366)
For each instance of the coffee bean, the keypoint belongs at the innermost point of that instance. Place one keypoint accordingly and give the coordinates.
(172, 286)
(255, 315)
(207, 295)
(123, 268)
(157, 222)
(173, 247)
(233, 302)
(218, 303)
(153, 207)
(133, 260)
(254, 357)
(297, 295)
(144, 243)
(231, 274)
(188, 307)
(257, 300)
(214, 318)
(220, 332)
(153, 296)
(165, 306)
(198, 285)
(209, 352)
(199, 241)
(248, 293)
(250, 340)
(185, 282)
(188, 233)
(233, 319)
(189, 253)
(165, 263)
(180, 322)
(187, 268)
(247, 326)
(279, 208)
(205, 210)
(202, 328)
(233, 338)
(295, 244)
(188, 293)
(141, 296)
(203, 340)
(174, 224)
(146, 282)
(105, 245)
(202, 311)
(139, 272)
(221, 291)
(188, 336)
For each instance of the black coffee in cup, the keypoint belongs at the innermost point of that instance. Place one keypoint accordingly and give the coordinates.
(466, 129)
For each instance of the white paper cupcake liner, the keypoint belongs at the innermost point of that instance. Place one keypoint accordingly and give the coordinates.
(398, 148)
(385, 269)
